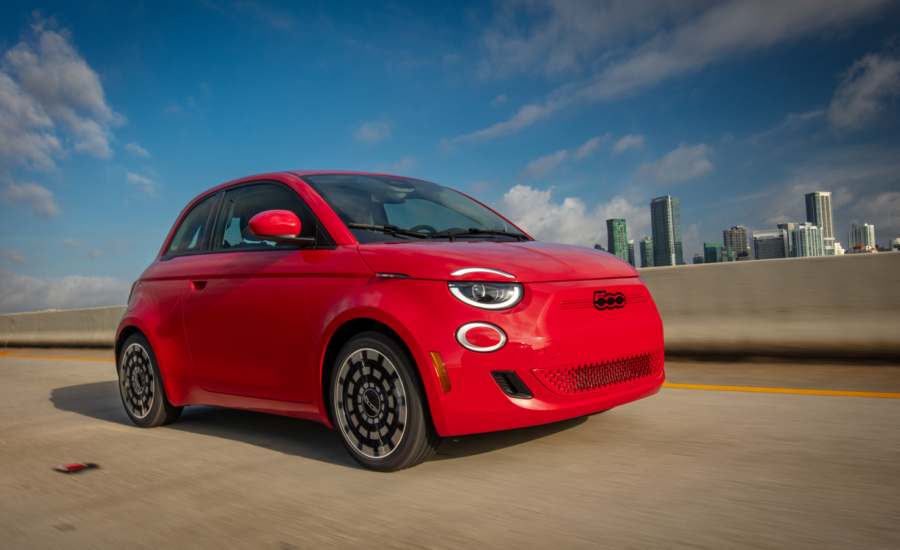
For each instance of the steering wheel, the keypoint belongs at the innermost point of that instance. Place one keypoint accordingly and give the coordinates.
(426, 227)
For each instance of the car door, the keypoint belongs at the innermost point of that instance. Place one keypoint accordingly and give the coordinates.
(246, 311)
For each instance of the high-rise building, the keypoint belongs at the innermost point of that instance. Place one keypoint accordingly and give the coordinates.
(862, 235)
(838, 249)
(806, 240)
(736, 238)
(895, 244)
(617, 238)
(647, 252)
(771, 244)
(698, 259)
(665, 221)
(789, 227)
(631, 253)
(818, 213)
(717, 253)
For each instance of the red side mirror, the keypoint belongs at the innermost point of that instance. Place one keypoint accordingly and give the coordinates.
(278, 226)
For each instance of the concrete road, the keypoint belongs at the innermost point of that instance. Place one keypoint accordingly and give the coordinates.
(682, 469)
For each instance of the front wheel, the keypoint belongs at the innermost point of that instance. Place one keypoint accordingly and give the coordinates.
(378, 405)
(141, 385)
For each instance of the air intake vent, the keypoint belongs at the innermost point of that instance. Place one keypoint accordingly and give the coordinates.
(511, 384)
(581, 379)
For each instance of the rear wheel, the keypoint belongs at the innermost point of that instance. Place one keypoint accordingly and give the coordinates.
(141, 387)
(379, 406)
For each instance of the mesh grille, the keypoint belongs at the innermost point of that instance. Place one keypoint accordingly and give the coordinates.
(580, 379)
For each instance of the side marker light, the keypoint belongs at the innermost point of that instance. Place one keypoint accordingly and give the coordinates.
(440, 370)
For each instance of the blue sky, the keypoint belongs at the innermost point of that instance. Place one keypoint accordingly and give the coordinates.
(560, 114)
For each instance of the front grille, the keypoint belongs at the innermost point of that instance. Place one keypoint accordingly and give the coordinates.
(581, 379)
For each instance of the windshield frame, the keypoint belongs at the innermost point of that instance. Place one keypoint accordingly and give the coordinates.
(387, 233)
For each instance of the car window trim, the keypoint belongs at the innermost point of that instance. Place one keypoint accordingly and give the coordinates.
(319, 227)
(213, 209)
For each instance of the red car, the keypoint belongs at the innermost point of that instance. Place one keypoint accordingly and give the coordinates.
(396, 310)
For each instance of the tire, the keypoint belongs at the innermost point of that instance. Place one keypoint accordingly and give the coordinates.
(374, 384)
(141, 387)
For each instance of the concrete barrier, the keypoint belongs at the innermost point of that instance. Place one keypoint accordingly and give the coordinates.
(844, 306)
(94, 327)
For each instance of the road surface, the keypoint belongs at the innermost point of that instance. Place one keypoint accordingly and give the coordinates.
(686, 468)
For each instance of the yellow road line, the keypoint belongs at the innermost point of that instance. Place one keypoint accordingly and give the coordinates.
(66, 358)
(783, 390)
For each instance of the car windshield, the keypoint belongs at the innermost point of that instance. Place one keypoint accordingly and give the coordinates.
(407, 205)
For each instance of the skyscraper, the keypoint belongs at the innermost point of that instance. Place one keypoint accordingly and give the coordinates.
(771, 244)
(617, 238)
(665, 220)
(736, 238)
(631, 253)
(647, 252)
(698, 259)
(861, 235)
(717, 252)
(789, 227)
(818, 213)
(806, 240)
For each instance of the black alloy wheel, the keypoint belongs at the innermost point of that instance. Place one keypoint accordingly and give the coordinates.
(379, 406)
(141, 387)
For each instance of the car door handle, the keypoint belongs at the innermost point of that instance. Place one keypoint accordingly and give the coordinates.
(198, 285)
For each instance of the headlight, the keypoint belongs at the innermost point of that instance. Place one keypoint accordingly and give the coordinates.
(487, 295)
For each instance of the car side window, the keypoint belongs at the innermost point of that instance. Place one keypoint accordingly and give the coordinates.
(191, 235)
(241, 204)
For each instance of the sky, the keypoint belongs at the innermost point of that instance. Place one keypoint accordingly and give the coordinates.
(560, 114)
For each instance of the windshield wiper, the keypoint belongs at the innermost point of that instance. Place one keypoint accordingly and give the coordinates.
(387, 229)
(474, 231)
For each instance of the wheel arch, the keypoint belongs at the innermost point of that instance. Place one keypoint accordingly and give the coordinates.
(124, 333)
(343, 334)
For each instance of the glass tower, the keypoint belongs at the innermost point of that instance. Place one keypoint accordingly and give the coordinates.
(807, 240)
(617, 238)
(861, 235)
(818, 213)
(631, 253)
(665, 220)
(647, 252)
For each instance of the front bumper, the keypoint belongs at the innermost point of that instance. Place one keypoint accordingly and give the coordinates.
(555, 326)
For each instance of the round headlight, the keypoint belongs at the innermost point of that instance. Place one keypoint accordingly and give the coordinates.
(487, 295)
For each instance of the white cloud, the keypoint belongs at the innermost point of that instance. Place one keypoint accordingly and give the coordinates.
(146, 184)
(544, 165)
(589, 147)
(792, 121)
(674, 39)
(44, 83)
(628, 142)
(499, 100)
(570, 222)
(38, 198)
(451, 59)
(867, 89)
(373, 132)
(686, 162)
(20, 293)
(136, 150)
(727, 138)
(406, 164)
(13, 256)
(69, 243)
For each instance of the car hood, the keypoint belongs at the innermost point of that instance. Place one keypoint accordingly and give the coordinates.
(529, 262)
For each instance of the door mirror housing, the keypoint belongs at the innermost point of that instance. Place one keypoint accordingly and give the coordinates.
(280, 226)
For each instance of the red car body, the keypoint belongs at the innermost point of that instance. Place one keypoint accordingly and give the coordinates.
(256, 330)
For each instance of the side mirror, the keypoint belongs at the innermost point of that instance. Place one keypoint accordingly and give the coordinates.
(280, 226)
